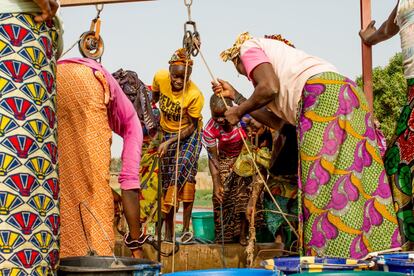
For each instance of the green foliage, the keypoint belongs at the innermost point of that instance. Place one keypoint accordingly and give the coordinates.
(203, 163)
(116, 165)
(203, 198)
(389, 93)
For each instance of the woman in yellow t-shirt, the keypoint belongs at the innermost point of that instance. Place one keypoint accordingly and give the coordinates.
(168, 89)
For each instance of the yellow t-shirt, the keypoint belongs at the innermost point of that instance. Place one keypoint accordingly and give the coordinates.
(170, 103)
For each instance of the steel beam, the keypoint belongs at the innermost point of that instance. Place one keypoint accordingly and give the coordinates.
(367, 54)
(72, 3)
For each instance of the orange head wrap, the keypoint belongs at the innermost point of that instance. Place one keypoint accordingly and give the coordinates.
(180, 57)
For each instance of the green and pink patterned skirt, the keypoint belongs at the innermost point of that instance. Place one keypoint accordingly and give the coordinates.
(346, 207)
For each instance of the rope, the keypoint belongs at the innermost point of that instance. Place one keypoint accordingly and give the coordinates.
(249, 151)
(70, 48)
(177, 158)
(222, 236)
(100, 226)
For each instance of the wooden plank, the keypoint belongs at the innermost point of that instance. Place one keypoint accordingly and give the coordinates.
(367, 54)
(72, 3)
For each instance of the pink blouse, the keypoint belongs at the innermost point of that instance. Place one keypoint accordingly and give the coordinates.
(124, 121)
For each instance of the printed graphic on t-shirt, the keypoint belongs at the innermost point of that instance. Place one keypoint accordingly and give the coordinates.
(170, 109)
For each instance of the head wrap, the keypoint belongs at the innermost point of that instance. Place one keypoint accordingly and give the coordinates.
(138, 93)
(234, 51)
(280, 38)
(180, 57)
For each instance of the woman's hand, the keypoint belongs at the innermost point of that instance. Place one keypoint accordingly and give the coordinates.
(218, 193)
(224, 88)
(368, 32)
(233, 115)
(163, 148)
(48, 7)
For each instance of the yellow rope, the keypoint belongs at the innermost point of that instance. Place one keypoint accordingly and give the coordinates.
(249, 151)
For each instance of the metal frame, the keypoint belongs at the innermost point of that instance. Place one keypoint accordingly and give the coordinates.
(367, 54)
(73, 3)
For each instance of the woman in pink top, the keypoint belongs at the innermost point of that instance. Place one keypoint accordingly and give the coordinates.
(345, 207)
(91, 105)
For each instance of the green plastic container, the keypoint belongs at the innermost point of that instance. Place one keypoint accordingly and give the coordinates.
(203, 225)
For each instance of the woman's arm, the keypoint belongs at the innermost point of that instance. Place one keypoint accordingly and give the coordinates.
(371, 36)
(215, 174)
(267, 86)
(186, 132)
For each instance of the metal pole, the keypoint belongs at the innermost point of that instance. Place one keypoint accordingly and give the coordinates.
(367, 54)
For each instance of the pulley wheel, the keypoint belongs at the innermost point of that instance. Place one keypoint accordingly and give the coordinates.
(90, 47)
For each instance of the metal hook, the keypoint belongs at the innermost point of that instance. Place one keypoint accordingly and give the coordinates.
(99, 8)
(188, 3)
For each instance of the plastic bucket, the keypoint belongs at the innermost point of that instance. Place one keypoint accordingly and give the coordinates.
(291, 265)
(397, 262)
(203, 225)
(96, 265)
(353, 273)
(226, 272)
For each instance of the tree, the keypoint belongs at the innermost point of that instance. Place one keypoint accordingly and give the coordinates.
(390, 93)
(116, 165)
(203, 163)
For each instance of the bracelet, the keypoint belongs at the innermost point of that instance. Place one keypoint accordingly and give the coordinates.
(239, 98)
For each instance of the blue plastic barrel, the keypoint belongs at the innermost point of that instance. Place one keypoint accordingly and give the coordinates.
(98, 266)
(397, 262)
(226, 272)
(351, 273)
(291, 265)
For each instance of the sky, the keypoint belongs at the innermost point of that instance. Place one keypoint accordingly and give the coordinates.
(142, 36)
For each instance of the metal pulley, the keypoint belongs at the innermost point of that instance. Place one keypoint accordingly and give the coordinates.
(191, 37)
(91, 44)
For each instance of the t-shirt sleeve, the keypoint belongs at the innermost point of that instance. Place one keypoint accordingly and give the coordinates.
(196, 105)
(210, 135)
(252, 55)
(159, 76)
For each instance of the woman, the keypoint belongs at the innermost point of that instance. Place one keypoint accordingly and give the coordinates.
(90, 106)
(168, 88)
(230, 191)
(400, 155)
(30, 44)
(345, 205)
(148, 114)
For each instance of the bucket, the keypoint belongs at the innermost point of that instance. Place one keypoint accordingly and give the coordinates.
(353, 273)
(402, 262)
(291, 265)
(203, 225)
(96, 265)
(226, 272)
